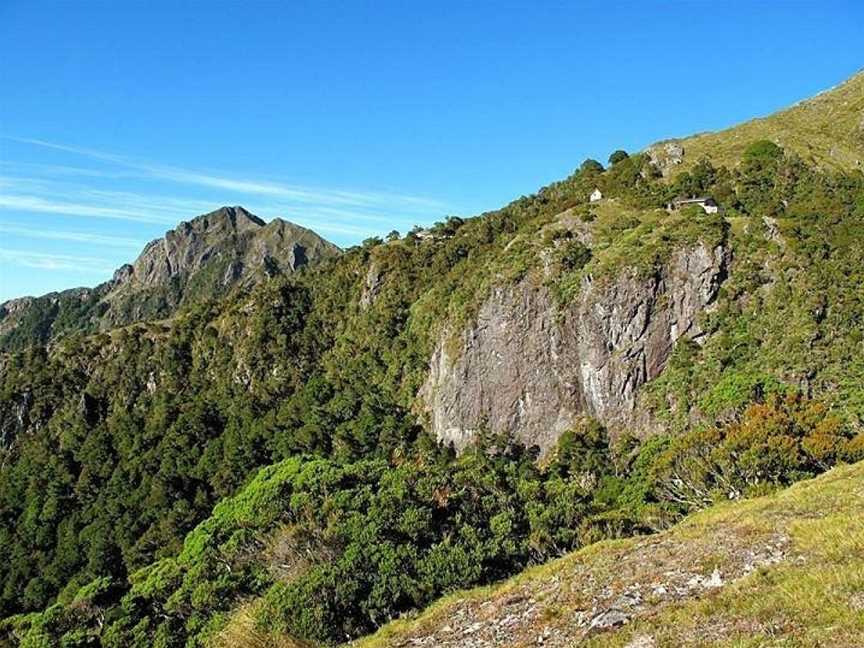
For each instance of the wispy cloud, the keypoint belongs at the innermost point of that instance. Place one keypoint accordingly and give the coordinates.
(294, 193)
(91, 190)
(59, 262)
(145, 198)
(30, 203)
(65, 170)
(74, 237)
(168, 211)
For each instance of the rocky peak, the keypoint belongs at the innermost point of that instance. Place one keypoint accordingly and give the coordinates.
(199, 259)
(224, 219)
(230, 237)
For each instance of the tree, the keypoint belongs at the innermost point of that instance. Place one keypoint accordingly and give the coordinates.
(762, 150)
(618, 156)
(574, 255)
(591, 167)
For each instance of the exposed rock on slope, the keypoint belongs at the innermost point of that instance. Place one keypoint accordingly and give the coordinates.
(241, 241)
(529, 367)
(206, 257)
(202, 258)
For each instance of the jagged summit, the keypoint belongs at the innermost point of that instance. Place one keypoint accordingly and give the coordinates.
(235, 218)
(200, 258)
(237, 215)
(232, 238)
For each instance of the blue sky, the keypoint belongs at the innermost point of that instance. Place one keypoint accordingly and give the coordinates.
(119, 119)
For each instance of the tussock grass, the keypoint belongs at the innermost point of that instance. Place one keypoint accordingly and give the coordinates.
(826, 130)
(241, 631)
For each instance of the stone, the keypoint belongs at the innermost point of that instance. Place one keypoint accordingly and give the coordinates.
(371, 286)
(641, 641)
(474, 627)
(532, 369)
(666, 156)
(716, 579)
(609, 619)
(14, 418)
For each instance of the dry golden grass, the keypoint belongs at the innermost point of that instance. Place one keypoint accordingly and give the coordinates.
(827, 130)
(241, 631)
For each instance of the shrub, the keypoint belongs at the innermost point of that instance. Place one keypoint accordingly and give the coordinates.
(774, 443)
(591, 167)
(762, 150)
(618, 156)
(573, 255)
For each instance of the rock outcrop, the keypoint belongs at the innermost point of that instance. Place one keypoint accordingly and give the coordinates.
(197, 260)
(14, 417)
(666, 156)
(371, 286)
(241, 241)
(531, 368)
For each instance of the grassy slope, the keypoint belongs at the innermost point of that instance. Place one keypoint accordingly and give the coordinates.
(827, 130)
(791, 567)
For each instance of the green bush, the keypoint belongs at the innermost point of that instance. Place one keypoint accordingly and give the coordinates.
(774, 443)
(617, 156)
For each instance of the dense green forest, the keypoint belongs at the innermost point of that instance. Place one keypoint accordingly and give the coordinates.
(264, 449)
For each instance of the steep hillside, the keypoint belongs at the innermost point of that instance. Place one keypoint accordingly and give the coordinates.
(827, 130)
(786, 569)
(532, 366)
(200, 259)
(327, 450)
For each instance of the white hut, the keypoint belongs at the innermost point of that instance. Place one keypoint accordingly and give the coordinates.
(596, 195)
(708, 205)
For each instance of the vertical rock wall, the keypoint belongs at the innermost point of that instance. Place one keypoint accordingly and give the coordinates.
(530, 368)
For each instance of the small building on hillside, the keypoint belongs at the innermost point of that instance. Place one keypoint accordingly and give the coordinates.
(595, 195)
(708, 204)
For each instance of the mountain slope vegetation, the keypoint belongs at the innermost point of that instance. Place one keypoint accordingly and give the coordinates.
(269, 459)
(784, 569)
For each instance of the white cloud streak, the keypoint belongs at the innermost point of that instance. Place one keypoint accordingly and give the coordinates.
(303, 195)
(96, 186)
(73, 237)
(55, 262)
(52, 189)
(93, 203)
(29, 203)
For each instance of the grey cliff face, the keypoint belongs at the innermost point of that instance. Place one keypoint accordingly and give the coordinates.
(530, 368)
(232, 236)
(14, 418)
(626, 329)
(515, 370)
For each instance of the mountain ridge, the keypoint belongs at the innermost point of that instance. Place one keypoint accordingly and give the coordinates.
(271, 457)
(232, 246)
(826, 129)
